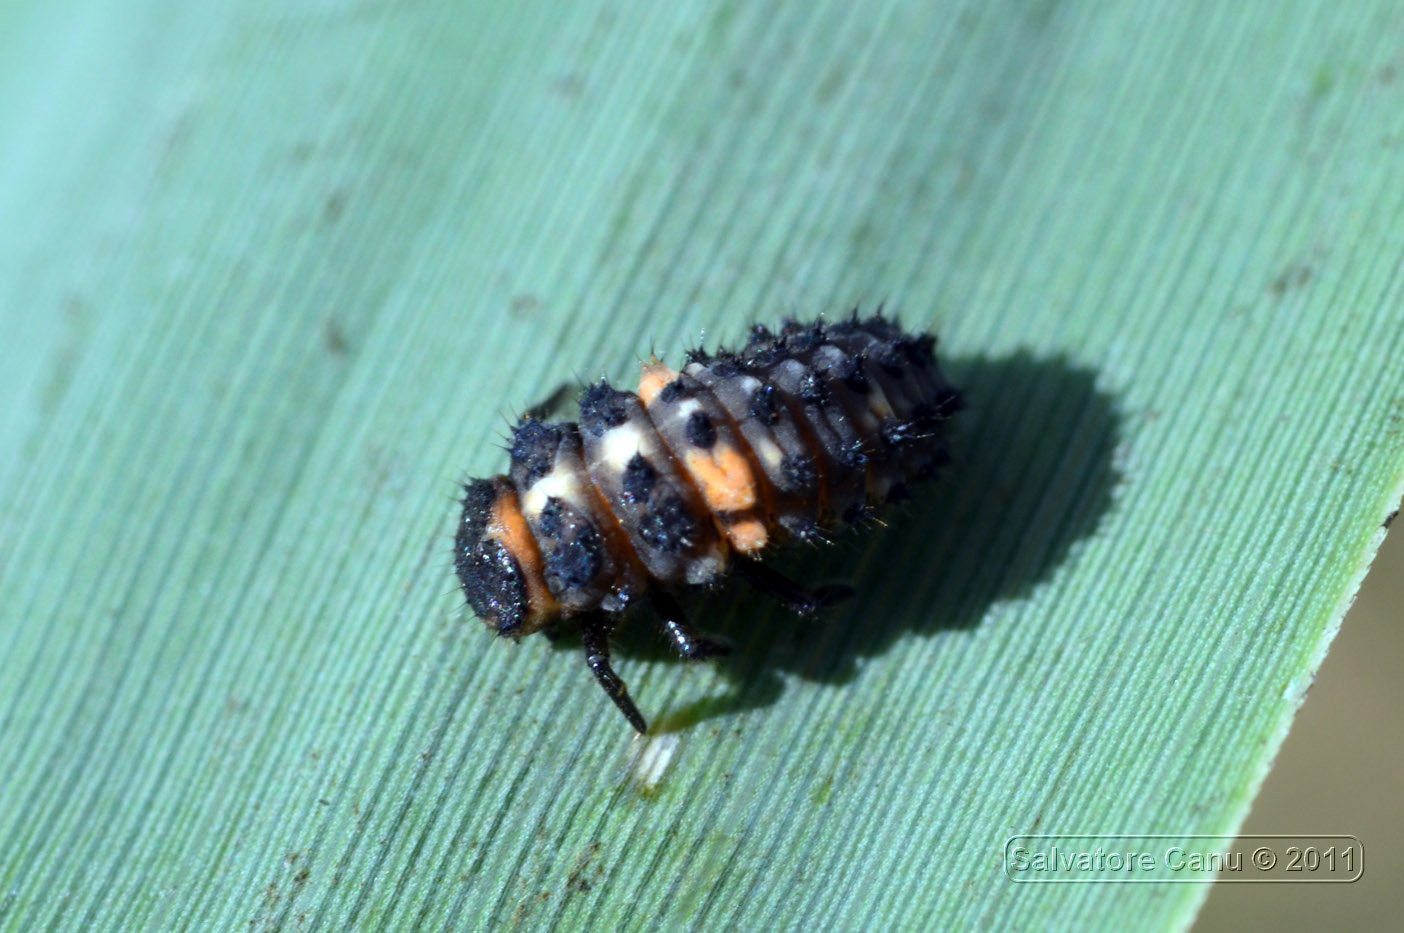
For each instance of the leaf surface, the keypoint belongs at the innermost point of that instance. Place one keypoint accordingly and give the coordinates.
(273, 275)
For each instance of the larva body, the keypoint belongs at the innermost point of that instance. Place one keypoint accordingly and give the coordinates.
(698, 473)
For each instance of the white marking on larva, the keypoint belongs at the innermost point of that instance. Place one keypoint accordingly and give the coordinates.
(561, 483)
(685, 409)
(654, 757)
(749, 384)
(621, 443)
(769, 452)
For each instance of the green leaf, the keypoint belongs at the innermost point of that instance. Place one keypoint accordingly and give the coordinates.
(272, 274)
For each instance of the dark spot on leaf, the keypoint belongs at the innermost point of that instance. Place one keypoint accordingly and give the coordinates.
(569, 86)
(334, 337)
(523, 305)
(334, 206)
(1294, 276)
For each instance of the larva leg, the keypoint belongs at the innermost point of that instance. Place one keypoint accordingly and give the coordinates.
(796, 598)
(690, 644)
(595, 632)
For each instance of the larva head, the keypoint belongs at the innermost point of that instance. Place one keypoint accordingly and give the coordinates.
(498, 561)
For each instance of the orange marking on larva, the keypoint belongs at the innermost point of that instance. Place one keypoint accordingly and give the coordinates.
(509, 526)
(655, 376)
(724, 477)
(729, 485)
(767, 494)
(748, 536)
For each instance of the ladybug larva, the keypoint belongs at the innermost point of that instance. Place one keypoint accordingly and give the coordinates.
(695, 476)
